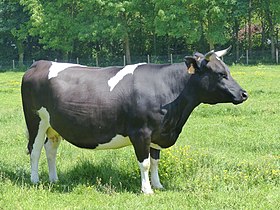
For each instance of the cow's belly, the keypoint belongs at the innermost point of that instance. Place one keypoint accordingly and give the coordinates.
(116, 142)
(91, 138)
(99, 142)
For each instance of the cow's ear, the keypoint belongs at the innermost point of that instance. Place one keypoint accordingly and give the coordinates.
(191, 64)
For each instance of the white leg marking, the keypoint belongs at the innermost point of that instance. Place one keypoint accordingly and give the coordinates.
(51, 151)
(144, 168)
(58, 67)
(129, 69)
(154, 174)
(38, 144)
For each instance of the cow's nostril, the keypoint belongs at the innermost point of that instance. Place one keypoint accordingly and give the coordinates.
(244, 95)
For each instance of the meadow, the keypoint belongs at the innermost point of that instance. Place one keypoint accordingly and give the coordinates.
(227, 157)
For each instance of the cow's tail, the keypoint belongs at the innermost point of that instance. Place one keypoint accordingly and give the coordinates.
(27, 137)
(33, 65)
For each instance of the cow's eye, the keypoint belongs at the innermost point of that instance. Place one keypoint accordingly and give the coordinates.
(223, 76)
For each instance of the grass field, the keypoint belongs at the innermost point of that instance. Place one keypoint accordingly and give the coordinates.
(227, 157)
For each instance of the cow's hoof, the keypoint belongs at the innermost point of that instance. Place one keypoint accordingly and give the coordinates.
(158, 186)
(34, 180)
(53, 180)
(148, 191)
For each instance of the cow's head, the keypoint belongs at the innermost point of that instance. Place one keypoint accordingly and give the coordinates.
(213, 79)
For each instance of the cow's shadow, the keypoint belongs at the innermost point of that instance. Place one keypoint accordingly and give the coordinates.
(103, 177)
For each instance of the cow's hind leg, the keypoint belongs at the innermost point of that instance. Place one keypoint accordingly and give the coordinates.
(38, 144)
(51, 146)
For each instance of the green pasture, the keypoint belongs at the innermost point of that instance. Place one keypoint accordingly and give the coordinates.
(227, 157)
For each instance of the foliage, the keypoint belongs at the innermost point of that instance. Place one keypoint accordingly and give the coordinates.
(227, 157)
(92, 28)
(13, 27)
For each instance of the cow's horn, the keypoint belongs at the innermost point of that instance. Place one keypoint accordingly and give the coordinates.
(207, 56)
(223, 52)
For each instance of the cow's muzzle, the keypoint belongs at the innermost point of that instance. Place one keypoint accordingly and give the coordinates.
(243, 97)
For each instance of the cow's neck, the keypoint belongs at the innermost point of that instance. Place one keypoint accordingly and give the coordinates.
(179, 111)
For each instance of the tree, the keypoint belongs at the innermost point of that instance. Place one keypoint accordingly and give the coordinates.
(271, 12)
(112, 28)
(194, 20)
(174, 20)
(14, 26)
(215, 20)
(238, 12)
(55, 23)
(114, 22)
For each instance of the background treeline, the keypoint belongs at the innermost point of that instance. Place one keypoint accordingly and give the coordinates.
(109, 29)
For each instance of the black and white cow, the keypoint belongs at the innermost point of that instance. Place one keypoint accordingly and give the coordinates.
(144, 105)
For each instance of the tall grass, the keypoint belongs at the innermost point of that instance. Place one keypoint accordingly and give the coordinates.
(227, 157)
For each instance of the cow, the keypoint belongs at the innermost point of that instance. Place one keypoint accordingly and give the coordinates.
(143, 105)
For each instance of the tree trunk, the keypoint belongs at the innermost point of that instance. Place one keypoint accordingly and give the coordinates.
(127, 49)
(20, 48)
(263, 38)
(65, 56)
(250, 27)
(236, 29)
(211, 45)
(272, 38)
(272, 46)
(271, 30)
(155, 43)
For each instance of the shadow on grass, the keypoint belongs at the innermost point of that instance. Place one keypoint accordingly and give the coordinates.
(102, 177)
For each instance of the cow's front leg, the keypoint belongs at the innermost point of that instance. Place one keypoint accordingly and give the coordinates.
(154, 169)
(141, 142)
(145, 181)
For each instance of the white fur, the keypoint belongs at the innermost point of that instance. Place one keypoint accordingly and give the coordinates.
(154, 174)
(58, 67)
(129, 69)
(50, 148)
(144, 168)
(117, 142)
(38, 144)
(51, 151)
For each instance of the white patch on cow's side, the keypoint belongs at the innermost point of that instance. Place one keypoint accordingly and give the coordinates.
(129, 69)
(144, 168)
(117, 142)
(154, 174)
(155, 146)
(38, 143)
(58, 67)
